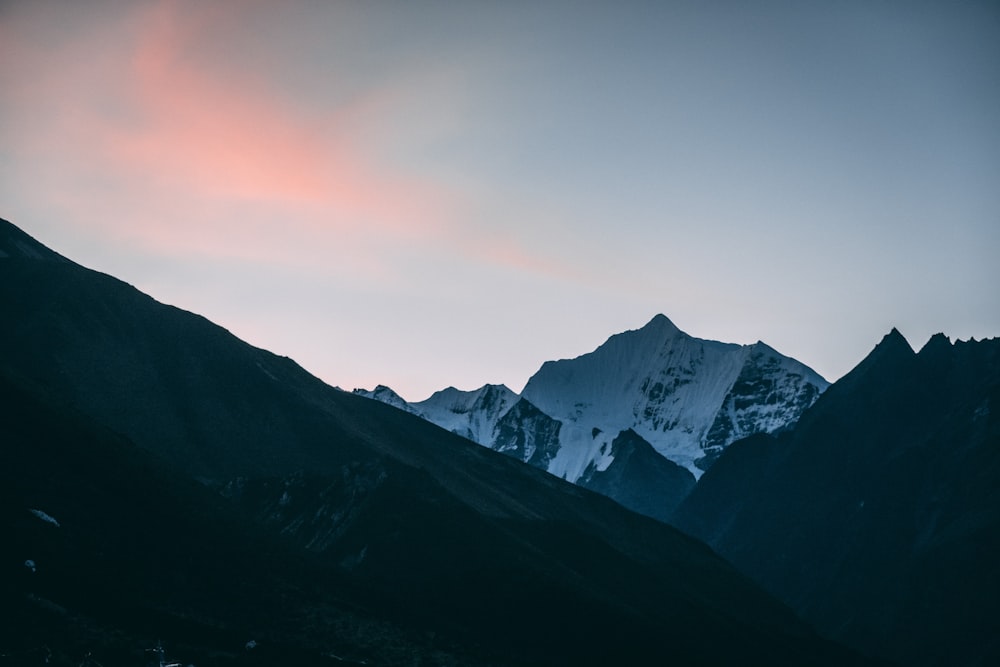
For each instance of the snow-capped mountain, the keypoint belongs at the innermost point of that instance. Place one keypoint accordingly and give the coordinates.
(667, 392)
(470, 414)
(688, 397)
(385, 395)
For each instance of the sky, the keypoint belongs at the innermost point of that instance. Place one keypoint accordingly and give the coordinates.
(428, 194)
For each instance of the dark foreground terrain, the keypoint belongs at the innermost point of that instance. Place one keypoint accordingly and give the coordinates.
(217, 497)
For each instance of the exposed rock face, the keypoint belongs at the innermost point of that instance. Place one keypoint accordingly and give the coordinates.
(527, 434)
(765, 397)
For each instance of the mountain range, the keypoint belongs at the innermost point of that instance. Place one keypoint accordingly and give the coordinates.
(167, 488)
(163, 480)
(638, 419)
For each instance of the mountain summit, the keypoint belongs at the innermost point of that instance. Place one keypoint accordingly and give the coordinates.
(639, 418)
(686, 396)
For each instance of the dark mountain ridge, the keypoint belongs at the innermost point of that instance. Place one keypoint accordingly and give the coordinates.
(359, 528)
(876, 517)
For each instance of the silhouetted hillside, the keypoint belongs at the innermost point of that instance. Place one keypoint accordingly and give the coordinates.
(341, 525)
(877, 516)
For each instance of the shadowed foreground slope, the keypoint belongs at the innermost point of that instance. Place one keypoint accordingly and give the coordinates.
(208, 491)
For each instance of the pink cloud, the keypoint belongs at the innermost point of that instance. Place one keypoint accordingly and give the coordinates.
(228, 136)
(150, 130)
(141, 99)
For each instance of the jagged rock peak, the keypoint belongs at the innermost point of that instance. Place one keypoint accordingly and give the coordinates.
(894, 343)
(892, 349)
(896, 339)
(688, 397)
(659, 328)
(938, 341)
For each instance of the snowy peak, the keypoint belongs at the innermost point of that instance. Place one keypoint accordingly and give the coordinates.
(471, 414)
(663, 323)
(385, 395)
(660, 327)
(457, 400)
(613, 374)
(686, 396)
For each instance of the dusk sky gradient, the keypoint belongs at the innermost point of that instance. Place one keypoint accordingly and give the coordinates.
(424, 194)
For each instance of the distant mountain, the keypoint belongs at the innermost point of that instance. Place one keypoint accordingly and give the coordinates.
(385, 395)
(688, 397)
(667, 394)
(877, 516)
(215, 493)
(470, 414)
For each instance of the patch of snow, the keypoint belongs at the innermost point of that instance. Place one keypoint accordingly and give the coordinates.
(45, 517)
